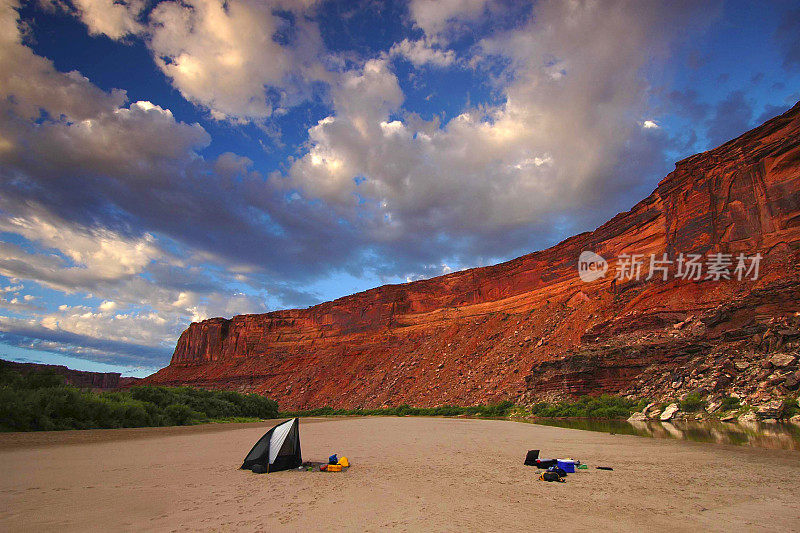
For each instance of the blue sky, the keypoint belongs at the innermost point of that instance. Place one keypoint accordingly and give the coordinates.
(164, 162)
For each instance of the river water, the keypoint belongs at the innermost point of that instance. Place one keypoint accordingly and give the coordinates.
(774, 436)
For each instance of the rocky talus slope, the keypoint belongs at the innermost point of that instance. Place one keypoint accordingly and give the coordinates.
(530, 328)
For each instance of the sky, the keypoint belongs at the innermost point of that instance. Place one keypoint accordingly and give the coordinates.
(167, 162)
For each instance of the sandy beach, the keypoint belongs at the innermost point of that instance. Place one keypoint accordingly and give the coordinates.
(407, 474)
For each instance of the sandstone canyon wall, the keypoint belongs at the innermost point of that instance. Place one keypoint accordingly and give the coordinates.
(530, 328)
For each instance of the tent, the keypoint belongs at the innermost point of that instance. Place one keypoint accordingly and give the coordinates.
(278, 449)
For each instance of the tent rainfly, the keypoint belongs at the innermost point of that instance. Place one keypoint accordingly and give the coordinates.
(278, 449)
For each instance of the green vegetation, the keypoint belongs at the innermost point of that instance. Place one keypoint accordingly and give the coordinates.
(495, 410)
(42, 401)
(790, 407)
(729, 403)
(692, 403)
(604, 407)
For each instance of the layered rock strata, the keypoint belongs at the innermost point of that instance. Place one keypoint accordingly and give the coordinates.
(531, 327)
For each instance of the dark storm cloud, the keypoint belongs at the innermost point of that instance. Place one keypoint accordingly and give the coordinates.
(730, 118)
(687, 104)
(788, 37)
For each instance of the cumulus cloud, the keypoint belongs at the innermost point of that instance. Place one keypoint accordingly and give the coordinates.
(436, 17)
(82, 173)
(567, 131)
(113, 18)
(91, 336)
(87, 255)
(239, 59)
(19, 304)
(423, 52)
(137, 315)
(37, 87)
(111, 169)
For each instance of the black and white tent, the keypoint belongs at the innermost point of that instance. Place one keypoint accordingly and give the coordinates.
(278, 449)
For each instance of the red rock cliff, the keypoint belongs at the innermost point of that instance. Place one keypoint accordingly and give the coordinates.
(483, 334)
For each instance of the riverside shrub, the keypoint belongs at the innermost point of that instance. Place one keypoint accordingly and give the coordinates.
(493, 410)
(43, 401)
(604, 406)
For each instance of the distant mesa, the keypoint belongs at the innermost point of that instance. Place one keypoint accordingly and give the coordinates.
(78, 378)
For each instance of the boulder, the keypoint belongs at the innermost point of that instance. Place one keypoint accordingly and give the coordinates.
(637, 417)
(669, 412)
(749, 416)
(771, 409)
(651, 410)
(782, 360)
(774, 379)
(722, 383)
(792, 382)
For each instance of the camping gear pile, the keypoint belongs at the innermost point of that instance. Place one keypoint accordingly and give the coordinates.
(279, 449)
(556, 469)
(335, 464)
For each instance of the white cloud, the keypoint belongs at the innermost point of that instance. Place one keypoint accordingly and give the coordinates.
(11, 288)
(18, 304)
(223, 55)
(108, 305)
(436, 16)
(363, 101)
(560, 137)
(142, 329)
(113, 18)
(30, 84)
(242, 60)
(650, 125)
(422, 52)
(97, 254)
